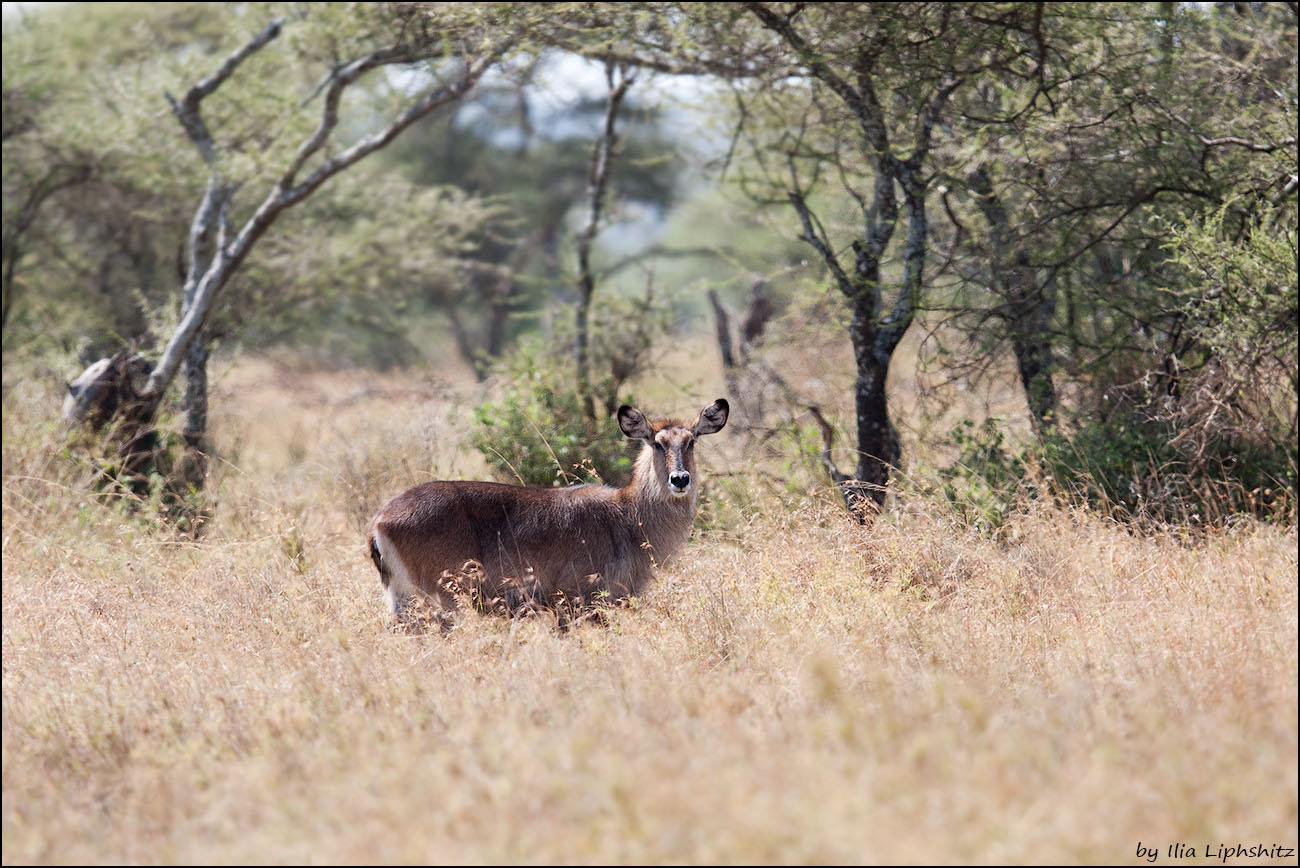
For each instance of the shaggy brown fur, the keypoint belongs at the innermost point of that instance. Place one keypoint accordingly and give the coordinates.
(512, 549)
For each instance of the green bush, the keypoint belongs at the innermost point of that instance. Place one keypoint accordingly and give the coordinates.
(1128, 465)
(1142, 467)
(1208, 431)
(541, 432)
(985, 482)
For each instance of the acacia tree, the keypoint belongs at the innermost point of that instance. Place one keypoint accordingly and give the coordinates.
(1032, 182)
(1060, 158)
(448, 40)
(495, 146)
(1053, 136)
(455, 46)
(876, 82)
(1073, 173)
(853, 93)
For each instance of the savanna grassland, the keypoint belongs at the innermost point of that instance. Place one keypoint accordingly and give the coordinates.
(795, 688)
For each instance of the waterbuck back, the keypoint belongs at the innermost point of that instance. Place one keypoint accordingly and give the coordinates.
(511, 548)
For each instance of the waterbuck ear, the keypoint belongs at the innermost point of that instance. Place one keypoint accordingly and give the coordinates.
(633, 423)
(712, 418)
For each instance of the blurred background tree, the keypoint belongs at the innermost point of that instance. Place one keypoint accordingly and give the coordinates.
(1075, 195)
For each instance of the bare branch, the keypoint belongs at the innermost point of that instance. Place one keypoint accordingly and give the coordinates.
(851, 489)
(1246, 143)
(656, 251)
(347, 75)
(742, 114)
(430, 101)
(187, 110)
(619, 79)
(722, 325)
(820, 244)
(229, 255)
(861, 101)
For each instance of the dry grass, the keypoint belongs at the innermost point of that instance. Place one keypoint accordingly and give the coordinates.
(795, 689)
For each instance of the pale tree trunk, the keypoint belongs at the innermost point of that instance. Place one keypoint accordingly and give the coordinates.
(744, 373)
(215, 250)
(619, 79)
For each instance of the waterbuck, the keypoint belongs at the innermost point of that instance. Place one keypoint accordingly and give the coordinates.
(513, 549)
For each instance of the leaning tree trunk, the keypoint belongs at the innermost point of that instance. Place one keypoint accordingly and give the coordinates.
(217, 249)
(744, 373)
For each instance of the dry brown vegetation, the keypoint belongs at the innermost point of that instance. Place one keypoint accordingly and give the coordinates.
(796, 688)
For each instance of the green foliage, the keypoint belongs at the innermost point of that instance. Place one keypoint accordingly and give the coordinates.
(540, 432)
(1128, 465)
(89, 198)
(394, 253)
(513, 146)
(1132, 466)
(1237, 287)
(984, 484)
(1166, 301)
(1145, 254)
(101, 181)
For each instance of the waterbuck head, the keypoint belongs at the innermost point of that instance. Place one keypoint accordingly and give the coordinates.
(96, 395)
(666, 466)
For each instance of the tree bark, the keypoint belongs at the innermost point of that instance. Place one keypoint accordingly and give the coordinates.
(877, 443)
(598, 166)
(1033, 350)
(1027, 306)
(195, 406)
(722, 328)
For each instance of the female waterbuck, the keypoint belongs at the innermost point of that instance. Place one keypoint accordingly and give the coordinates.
(513, 549)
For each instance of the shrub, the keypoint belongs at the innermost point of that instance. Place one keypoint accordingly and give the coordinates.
(1129, 464)
(984, 483)
(1138, 464)
(541, 432)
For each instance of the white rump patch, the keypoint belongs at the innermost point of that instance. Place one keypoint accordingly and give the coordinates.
(400, 588)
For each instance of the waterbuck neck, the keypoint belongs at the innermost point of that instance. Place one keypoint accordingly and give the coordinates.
(663, 518)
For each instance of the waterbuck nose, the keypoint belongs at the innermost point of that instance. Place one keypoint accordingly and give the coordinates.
(680, 480)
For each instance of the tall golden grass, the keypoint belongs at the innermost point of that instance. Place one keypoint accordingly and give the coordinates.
(795, 688)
